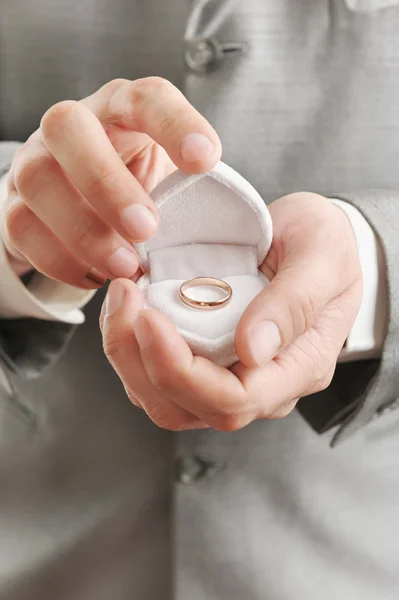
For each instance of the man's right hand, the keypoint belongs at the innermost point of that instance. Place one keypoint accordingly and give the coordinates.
(78, 190)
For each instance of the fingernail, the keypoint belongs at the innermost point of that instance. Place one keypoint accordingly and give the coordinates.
(142, 331)
(264, 342)
(123, 263)
(139, 221)
(115, 295)
(94, 279)
(196, 146)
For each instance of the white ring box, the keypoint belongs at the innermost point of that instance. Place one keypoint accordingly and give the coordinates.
(214, 225)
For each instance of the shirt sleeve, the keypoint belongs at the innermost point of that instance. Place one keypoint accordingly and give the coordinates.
(42, 298)
(366, 338)
(362, 390)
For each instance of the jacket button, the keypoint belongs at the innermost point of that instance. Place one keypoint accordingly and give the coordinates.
(191, 468)
(202, 54)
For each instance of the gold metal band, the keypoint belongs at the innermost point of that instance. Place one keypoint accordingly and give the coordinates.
(203, 304)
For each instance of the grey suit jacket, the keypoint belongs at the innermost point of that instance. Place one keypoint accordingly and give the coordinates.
(308, 101)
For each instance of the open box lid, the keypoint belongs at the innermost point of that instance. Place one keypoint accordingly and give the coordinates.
(217, 207)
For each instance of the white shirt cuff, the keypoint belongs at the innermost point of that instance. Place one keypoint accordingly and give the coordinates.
(367, 335)
(43, 298)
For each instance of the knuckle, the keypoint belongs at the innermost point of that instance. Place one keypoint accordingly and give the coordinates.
(148, 86)
(169, 124)
(279, 414)
(229, 422)
(85, 233)
(302, 313)
(102, 318)
(162, 380)
(141, 91)
(132, 397)
(320, 371)
(160, 415)
(58, 115)
(18, 221)
(28, 173)
(103, 181)
(283, 411)
(322, 381)
(57, 266)
(116, 84)
(117, 341)
(128, 100)
(170, 426)
(112, 345)
(18, 153)
(10, 181)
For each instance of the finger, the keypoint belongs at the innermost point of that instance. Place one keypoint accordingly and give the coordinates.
(305, 367)
(277, 386)
(129, 394)
(123, 303)
(104, 304)
(75, 137)
(102, 315)
(309, 276)
(284, 410)
(41, 182)
(201, 387)
(45, 252)
(156, 107)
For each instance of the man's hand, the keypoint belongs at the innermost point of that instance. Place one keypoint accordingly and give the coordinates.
(78, 189)
(288, 339)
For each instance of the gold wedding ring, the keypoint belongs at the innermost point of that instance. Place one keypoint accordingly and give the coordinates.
(204, 304)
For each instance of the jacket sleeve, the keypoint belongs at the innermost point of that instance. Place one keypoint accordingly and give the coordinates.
(363, 390)
(37, 315)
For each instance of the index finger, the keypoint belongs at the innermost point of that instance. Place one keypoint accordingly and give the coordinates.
(75, 133)
(156, 107)
(78, 142)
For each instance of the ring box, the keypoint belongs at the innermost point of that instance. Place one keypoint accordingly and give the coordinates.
(211, 225)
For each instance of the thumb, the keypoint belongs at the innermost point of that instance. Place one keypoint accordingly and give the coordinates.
(287, 307)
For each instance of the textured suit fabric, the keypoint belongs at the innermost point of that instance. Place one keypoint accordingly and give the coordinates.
(271, 512)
